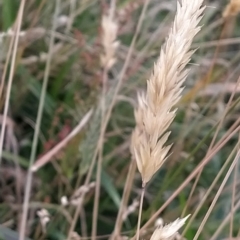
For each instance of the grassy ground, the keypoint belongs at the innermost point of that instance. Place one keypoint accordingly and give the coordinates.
(207, 116)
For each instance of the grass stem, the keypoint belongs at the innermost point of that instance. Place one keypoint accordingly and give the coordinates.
(10, 80)
(100, 158)
(124, 200)
(37, 128)
(140, 211)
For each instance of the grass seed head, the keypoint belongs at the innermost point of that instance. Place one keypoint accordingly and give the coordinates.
(156, 109)
(109, 43)
(168, 232)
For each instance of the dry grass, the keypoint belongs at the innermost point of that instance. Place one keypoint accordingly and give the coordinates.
(168, 232)
(109, 43)
(155, 112)
(82, 67)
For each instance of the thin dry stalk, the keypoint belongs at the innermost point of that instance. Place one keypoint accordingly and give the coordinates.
(70, 21)
(10, 80)
(217, 195)
(124, 200)
(234, 186)
(140, 211)
(37, 14)
(156, 110)
(97, 193)
(211, 146)
(49, 155)
(212, 142)
(224, 223)
(83, 224)
(37, 128)
(6, 67)
(214, 43)
(227, 136)
(210, 189)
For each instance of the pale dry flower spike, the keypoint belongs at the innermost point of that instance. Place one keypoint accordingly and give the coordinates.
(156, 110)
(168, 232)
(109, 43)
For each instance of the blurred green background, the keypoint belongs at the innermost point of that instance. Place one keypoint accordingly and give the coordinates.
(74, 87)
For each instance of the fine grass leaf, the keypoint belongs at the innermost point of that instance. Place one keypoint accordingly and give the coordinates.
(35, 87)
(11, 157)
(182, 201)
(110, 188)
(8, 13)
(57, 84)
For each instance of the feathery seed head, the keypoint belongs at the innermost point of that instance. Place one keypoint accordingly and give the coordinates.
(156, 110)
(168, 232)
(109, 35)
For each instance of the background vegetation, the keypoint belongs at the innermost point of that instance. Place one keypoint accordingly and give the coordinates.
(207, 115)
